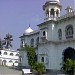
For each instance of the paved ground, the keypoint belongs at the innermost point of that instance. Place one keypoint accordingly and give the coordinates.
(9, 71)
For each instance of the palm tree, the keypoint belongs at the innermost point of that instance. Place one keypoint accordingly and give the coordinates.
(2, 42)
(8, 40)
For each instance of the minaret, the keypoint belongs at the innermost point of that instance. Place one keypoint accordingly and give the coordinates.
(52, 9)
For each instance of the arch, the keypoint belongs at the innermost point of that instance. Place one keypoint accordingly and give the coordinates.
(47, 12)
(69, 53)
(16, 61)
(0, 53)
(69, 31)
(52, 12)
(10, 61)
(17, 55)
(42, 59)
(57, 12)
(60, 34)
(44, 33)
(4, 62)
(5, 53)
(32, 42)
(11, 54)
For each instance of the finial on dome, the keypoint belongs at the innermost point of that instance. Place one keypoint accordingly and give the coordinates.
(29, 25)
(28, 30)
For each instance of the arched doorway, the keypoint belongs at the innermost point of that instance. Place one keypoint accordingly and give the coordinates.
(4, 62)
(69, 53)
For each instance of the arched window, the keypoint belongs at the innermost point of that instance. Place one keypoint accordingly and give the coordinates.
(47, 13)
(11, 54)
(60, 34)
(57, 12)
(17, 55)
(16, 61)
(0, 52)
(37, 41)
(10, 61)
(4, 62)
(44, 33)
(32, 42)
(5, 53)
(52, 12)
(69, 31)
(42, 59)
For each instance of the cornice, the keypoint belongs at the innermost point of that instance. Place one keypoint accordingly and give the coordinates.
(58, 42)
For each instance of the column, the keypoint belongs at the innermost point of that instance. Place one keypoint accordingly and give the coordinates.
(49, 13)
(55, 14)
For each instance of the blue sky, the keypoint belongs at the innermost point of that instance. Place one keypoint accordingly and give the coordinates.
(16, 15)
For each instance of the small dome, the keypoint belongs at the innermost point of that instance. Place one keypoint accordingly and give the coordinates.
(69, 7)
(54, 0)
(28, 30)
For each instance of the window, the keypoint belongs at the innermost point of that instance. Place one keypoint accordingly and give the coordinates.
(11, 54)
(42, 59)
(10, 61)
(32, 42)
(37, 41)
(60, 34)
(16, 61)
(52, 12)
(0, 52)
(44, 33)
(57, 12)
(47, 13)
(17, 55)
(69, 31)
(5, 53)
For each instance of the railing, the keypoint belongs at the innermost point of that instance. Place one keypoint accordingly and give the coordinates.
(67, 15)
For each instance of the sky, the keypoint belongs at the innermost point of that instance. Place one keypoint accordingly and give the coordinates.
(16, 15)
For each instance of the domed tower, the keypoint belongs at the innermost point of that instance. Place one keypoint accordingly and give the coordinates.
(52, 9)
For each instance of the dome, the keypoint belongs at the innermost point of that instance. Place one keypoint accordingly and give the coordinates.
(28, 30)
(54, 0)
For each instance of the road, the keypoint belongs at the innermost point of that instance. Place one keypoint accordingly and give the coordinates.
(9, 71)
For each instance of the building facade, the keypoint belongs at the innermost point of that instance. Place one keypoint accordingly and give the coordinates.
(9, 57)
(55, 38)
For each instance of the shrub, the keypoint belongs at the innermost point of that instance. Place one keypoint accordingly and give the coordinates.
(39, 68)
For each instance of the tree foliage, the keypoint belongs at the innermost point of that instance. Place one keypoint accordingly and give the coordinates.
(69, 66)
(31, 54)
(39, 68)
(8, 40)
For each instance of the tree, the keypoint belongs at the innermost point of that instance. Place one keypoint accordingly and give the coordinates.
(8, 40)
(31, 54)
(39, 68)
(69, 66)
(2, 42)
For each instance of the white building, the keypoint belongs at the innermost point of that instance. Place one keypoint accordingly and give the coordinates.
(55, 38)
(9, 57)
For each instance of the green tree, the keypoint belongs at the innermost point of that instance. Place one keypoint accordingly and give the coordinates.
(39, 68)
(31, 54)
(69, 66)
(8, 40)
